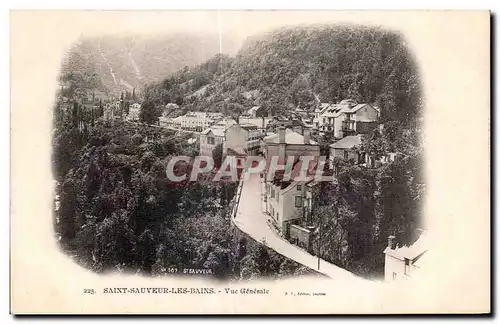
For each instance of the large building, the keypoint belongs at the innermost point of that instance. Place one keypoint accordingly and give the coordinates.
(260, 122)
(238, 137)
(285, 199)
(345, 118)
(197, 121)
(242, 136)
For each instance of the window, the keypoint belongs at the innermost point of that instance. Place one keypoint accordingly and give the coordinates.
(394, 275)
(299, 187)
(272, 193)
(211, 140)
(277, 216)
(277, 197)
(346, 155)
(298, 201)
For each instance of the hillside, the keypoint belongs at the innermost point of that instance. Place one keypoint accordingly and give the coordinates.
(294, 66)
(127, 62)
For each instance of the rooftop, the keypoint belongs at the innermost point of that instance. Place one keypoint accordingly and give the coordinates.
(291, 137)
(248, 126)
(253, 109)
(347, 142)
(410, 252)
(214, 130)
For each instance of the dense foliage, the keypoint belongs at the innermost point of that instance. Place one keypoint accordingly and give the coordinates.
(118, 210)
(362, 207)
(296, 67)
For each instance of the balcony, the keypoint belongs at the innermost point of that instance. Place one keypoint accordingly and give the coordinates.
(348, 125)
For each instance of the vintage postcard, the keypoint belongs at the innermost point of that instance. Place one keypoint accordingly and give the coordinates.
(250, 162)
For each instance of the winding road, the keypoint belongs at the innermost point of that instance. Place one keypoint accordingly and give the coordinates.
(250, 219)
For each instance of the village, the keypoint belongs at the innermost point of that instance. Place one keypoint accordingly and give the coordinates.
(285, 211)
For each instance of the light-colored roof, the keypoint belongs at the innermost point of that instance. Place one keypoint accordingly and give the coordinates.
(224, 123)
(216, 131)
(343, 107)
(248, 126)
(256, 121)
(410, 252)
(236, 151)
(322, 107)
(347, 142)
(253, 109)
(291, 137)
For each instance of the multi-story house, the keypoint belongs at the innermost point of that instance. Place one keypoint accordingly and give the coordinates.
(133, 113)
(285, 198)
(243, 136)
(209, 139)
(260, 122)
(346, 118)
(317, 119)
(238, 137)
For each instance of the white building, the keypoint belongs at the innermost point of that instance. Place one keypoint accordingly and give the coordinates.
(345, 118)
(243, 136)
(172, 123)
(133, 112)
(240, 137)
(214, 135)
(254, 112)
(260, 122)
(402, 263)
(197, 121)
(209, 139)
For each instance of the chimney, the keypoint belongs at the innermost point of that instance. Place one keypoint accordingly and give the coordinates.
(281, 134)
(307, 136)
(281, 145)
(390, 242)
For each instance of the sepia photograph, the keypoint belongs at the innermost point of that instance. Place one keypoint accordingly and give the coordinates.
(245, 151)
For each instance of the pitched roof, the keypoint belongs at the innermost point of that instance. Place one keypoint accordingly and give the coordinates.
(347, 142)
(215, 131)
(236, 151)
(248, 126)
(322, 107)
(291, 137)
(410, 252)
(255, 121)
(253, 109)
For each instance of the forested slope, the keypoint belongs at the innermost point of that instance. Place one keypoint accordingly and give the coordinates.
(292, 67)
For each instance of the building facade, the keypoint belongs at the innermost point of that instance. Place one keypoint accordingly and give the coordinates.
(286, 199)
(345, 118)
(403, 263)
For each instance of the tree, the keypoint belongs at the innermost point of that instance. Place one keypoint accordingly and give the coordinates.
(217, 155)
(149, 113)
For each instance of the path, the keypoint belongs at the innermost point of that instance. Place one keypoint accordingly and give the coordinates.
(106, 60)
(250, 219)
